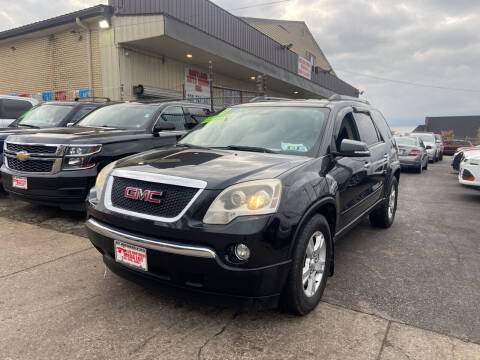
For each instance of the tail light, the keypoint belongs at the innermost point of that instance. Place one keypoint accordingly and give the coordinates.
(414, 152)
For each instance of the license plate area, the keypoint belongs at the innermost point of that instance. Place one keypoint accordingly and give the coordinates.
(131, 255)
(19, 182)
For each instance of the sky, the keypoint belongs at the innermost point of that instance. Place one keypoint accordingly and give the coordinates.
(434, 44)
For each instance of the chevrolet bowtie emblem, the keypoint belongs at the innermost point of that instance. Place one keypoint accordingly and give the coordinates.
(22, 156)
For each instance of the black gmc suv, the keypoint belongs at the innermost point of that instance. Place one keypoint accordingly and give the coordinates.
(250, 202)
(49, 115)
(58, 166)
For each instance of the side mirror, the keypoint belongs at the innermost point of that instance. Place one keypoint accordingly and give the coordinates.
(428, 147)
(163, 126)
(353, 148)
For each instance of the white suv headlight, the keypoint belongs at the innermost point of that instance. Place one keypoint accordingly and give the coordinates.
(258, 197)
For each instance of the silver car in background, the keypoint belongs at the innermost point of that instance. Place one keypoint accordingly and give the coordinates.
(412, 153)
(430, 142)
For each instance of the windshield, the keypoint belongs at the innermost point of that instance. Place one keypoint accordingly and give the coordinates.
(291, 130)
(404, 140)
(43, 116)
(426, 137)
(120, 116)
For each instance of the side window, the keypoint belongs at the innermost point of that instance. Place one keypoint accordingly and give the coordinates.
(82, 112)
(421, 142)
(382, 124)
(12, 109)
(368, 131)
(348, 130)
(174, 114)
(198, 114)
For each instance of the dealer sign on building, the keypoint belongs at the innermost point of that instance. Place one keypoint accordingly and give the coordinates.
(197, 86)
(304, 68)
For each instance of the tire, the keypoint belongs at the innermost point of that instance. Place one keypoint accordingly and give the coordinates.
(441, 157)
(381, 216)
(419, 168)
(296, 298)
(426, 165)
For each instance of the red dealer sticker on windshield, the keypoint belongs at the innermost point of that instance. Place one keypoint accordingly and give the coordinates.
(131, 255)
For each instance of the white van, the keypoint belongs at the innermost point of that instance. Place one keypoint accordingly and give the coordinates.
(11, 107)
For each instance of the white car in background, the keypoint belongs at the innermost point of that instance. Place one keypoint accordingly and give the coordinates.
(469, 173)
(11, 107)
(433, 149)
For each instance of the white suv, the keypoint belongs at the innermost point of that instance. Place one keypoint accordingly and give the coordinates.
(11, 107)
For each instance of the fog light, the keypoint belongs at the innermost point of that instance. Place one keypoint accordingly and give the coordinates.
(242, 252)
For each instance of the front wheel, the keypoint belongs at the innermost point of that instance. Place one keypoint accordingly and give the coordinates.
(311, 261)
(384, 215)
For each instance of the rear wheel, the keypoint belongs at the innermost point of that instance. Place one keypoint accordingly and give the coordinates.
(384, 215)
(419, 168)
(426, 164)
(311, 261)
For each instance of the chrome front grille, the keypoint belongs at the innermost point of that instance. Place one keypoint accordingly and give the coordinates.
(33, 158)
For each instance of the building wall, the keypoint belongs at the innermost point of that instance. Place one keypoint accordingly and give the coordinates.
(52, 62)
(295, 33)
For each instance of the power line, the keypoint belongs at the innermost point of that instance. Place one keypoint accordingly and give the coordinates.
(409, 82)
(258, 5)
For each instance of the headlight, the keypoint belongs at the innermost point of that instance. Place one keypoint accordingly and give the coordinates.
(249, 198)
(78, 157)
(102, 179)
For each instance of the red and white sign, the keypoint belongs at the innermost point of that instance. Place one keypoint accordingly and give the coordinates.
(131, 255)
(197, 85)
(20, 183)
(304, 68)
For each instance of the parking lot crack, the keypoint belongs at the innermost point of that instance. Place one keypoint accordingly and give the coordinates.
(46, 262)
(222, 330)
(384, 341)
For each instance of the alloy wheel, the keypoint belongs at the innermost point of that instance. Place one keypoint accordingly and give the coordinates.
(391, 202)
(314, 263)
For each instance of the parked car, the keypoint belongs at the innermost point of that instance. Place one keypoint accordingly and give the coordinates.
(441, 146)
(49, 115)
(412, 153)
(463, 153)
(451, 146)
(250, 202)
(430, 142)
(11, 107)
(469, 173)
(58, 166)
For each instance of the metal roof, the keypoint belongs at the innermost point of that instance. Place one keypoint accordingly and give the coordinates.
(99, 10)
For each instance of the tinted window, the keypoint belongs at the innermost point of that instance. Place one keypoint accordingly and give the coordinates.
(44, 116)
(12, 109)
(292, 130)
(121, 116)
(382, 124)
(174, 114)
(348, 130)
(84, 110)
(368, 132)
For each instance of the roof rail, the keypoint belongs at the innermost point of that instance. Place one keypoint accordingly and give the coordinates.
(268, 99)
(87, 98)
(338, 97)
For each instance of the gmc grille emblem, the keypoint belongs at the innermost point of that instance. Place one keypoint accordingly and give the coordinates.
(143, 195)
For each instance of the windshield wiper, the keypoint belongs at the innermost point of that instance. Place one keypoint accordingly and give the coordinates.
(192, 146)
(29, 126)
(247, 148)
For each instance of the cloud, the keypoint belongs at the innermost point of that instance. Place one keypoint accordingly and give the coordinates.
(433, 42)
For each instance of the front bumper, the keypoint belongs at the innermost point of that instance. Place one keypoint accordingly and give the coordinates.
(191, 266)
(469, 175)
(432, 153)
(66, 189)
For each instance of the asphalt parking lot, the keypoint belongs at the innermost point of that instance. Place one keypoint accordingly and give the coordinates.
(409, 292)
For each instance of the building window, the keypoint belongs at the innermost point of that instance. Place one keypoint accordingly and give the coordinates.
(311, 58)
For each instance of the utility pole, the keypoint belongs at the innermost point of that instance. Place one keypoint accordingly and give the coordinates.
(210, 75)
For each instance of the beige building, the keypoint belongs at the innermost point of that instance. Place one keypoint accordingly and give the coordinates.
(167, 49)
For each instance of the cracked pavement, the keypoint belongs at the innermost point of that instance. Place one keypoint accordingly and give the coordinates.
(410, 292)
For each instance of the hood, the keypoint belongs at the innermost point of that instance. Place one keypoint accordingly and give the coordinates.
(77, 135)
(219, 168)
